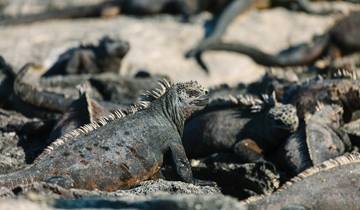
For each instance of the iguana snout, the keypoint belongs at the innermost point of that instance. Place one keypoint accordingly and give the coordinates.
(116, 48)
(284, 117)
(191, 97)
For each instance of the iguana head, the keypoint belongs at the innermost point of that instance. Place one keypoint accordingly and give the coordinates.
(177, 101)
(114, 48)
(283, 117)
(190, 97)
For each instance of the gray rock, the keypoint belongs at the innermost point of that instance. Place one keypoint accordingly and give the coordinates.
(12, 157)
(146, 188)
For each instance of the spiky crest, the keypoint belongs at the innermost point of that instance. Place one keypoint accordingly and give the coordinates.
(344, 74)
(114, 115)
(243, 101)
(324, 166)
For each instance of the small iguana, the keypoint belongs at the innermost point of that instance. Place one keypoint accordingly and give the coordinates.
(122, 149)
(333, 184)
(246, 125)
(106, 57)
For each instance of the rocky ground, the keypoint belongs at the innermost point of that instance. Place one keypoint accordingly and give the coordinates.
(158, 44)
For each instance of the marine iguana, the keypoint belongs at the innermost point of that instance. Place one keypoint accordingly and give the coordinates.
(122, 149)
(56, 93)
(317, 140)
(38, 96)
(105, 57)
(333, 184)
(10, 100)
(306, 95)
(341, 39)
(245, 125)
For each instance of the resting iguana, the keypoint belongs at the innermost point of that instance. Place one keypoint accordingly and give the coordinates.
(246, 125)
(106, 57)
(122, 149)
(317, 140)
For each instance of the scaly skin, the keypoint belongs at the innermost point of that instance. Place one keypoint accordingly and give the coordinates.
(318, 139)
(305, 96)
(333, 184)
(118, 152)
(249, 135)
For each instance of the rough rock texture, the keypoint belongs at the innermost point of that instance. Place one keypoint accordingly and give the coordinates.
(12, 156)
(161, 49)
(236, 179)
(173, 202)
(158, 187)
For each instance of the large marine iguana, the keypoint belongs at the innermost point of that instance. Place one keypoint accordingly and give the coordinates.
(122, 149)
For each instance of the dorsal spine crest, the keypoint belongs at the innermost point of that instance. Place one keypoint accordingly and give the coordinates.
(114, 115)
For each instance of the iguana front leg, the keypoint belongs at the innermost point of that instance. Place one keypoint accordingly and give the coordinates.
(248, 151)
(181, 163)
(82, 61)
(218, 27)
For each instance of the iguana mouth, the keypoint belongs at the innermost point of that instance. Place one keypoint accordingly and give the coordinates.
(284, 127)
(201, 101)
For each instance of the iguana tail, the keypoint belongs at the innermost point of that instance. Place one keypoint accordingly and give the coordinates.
(23, 177)
(295, 56)
(41, 98)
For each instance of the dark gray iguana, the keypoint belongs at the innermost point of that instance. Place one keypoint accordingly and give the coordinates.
(106, 57)
(57, 93)
(341, 39)
(306, 95)
(246, 125)
(122, 149)
(318, 139)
